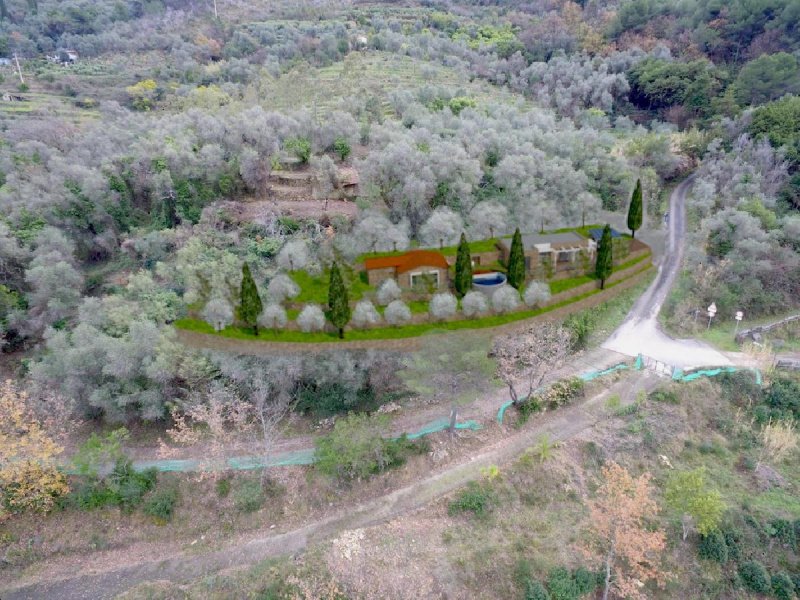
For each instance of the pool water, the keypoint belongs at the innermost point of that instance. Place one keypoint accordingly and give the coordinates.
(489, 279)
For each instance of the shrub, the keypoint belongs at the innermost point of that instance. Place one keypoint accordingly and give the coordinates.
(223, 487)
(124, 487)
(355, 449)
(562, 392)
(537, 293)
(534, 590)
(311, 318)
(397, 313)
(713, 547)
(476, 499)
(561, 585)
(585, 581)
(474, 304)
(342, 148)
(505, 299)
(129, 486)
(248, 496)
(782, 586)
(161, 504)
(273, 317)
(784, 531)
(364, 314)
(388, 292)
(333, 398)
(443, 306)
(664, 395)
(754, 577)
(580, 326)
(300, 147)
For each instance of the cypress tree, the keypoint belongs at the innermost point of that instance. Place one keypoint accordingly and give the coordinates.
(605, 259)
(635, 209)
(516, 261)
(251, 305)
(463, 281)
(338, 301)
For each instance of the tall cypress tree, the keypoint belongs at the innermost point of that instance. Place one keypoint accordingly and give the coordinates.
(338, 301)
(463, 282)
(516, 261)
(604, 263)
(635, 209)
(251, 306)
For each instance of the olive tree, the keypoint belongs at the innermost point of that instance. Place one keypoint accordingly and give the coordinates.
(388, 291)
(218, 313)
(294, 255)
(443, 227)
(474, 304)
(537, 293)
(311, 318)
(365, 314)
(397, 313)
(443, 306)
(281, 288)
(273, 317)
(505, 299)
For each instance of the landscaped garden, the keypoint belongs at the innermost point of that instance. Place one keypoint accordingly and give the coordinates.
(350, 302)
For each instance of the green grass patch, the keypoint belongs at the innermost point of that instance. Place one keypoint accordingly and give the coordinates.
(562, 285)
(314, 289)
(406, 331)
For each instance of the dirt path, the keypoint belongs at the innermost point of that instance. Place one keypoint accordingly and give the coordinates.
(561, 425)
(641, 332)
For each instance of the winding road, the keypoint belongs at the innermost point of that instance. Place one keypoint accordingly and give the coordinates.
(640, 333)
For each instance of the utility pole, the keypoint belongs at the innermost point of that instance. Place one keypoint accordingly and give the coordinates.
(19, 70)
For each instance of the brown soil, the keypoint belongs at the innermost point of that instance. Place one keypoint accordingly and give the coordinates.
(462, 462)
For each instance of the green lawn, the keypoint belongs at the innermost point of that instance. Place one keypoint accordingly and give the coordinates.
(562, 285)
(405, 331)
(315, 289)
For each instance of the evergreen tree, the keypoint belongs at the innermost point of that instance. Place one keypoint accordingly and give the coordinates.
(251, 306)
(516, 261)
(635, 209)
(463, 281)
(338, 301)
(605, 259)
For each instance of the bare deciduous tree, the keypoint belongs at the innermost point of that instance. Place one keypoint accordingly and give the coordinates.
(526, 358)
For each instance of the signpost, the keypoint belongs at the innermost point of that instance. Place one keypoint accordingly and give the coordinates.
(712, 311)
(739, 316)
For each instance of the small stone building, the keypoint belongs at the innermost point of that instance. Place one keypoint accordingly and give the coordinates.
(558, 251)
(413, 268)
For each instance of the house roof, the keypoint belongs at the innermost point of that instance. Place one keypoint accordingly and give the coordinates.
(530, 240)
(405, 262)
(596, 234)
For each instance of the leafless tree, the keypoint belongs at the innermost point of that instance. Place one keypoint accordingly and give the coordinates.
(526, 358)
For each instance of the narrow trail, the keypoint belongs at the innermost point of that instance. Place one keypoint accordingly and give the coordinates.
(639, 333)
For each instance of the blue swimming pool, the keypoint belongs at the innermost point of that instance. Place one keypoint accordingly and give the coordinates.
(488, 282)
(489, 279)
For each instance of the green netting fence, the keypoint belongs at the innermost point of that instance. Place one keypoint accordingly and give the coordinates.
(279, 459)
(678, 374)
(588, 376)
